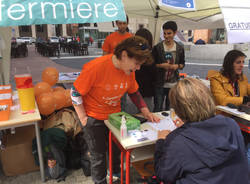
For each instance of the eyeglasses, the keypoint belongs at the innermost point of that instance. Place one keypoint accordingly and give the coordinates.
(143, 46)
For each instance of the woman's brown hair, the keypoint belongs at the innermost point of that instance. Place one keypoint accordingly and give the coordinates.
(136, 47)
(228, 68)
(144, 33)
(192, 100)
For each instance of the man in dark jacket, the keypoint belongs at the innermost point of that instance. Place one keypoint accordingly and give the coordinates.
(169, 57)
(205, 149)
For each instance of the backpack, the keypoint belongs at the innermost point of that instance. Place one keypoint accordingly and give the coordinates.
(65, 119)
(77, 154)
(58, 171)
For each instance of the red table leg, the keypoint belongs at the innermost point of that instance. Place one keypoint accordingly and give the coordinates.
(244, 127)
(127, 152)
(122, 155)
(128, 166)
(110, 158)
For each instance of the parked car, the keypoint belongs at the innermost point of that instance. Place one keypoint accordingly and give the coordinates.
(27, 40)
(33, 40)
(54, 39)
(19, 40)
(69, 39)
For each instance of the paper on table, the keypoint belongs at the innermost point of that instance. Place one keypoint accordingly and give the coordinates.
(234, 111)
(141, 135)
(164, 124)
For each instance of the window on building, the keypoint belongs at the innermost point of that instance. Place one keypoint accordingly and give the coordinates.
(84, 25)
(39, 28)
(95, 25)
(25, 28)
(220, 34)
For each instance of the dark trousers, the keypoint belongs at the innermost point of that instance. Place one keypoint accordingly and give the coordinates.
(161, 94)
(96, 136)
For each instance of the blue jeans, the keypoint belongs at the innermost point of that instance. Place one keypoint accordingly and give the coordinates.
(161, 94)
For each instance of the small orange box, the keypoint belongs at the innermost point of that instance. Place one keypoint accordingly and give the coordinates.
(183, 75)
(6, 98)
(4, 112)
(5, 89)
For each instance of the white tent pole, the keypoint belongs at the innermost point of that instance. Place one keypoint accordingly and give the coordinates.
(151, 26)
(157, 31)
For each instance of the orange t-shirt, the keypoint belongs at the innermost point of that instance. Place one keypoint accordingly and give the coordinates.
(102, 86)
(113, 40)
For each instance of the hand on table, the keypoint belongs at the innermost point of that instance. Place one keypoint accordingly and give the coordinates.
(149, 115)
(152, 117)
(162, 134)
(178, 122)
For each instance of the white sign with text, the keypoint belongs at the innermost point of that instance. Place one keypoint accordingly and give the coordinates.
(237, 20)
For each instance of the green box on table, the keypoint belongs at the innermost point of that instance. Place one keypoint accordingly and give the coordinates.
(131, 122)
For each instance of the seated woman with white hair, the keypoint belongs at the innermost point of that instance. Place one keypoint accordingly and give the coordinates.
(205, 148)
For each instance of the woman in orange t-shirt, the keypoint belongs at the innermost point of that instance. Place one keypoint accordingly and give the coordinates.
(96, 93)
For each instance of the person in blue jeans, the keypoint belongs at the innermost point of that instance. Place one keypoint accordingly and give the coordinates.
(169, 57)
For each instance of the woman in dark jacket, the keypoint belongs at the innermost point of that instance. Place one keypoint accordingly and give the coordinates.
(205, 149)
(144, 76)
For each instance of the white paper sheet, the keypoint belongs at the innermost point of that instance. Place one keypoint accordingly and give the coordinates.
(234, 111)
(152, 134)
(141, 135)
(164, 124)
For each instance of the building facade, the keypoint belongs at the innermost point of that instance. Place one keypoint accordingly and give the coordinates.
(65, 30)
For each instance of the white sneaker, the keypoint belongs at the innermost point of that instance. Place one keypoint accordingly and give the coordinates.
(115, 178)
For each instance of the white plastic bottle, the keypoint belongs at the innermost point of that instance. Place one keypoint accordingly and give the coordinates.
(123, 128)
